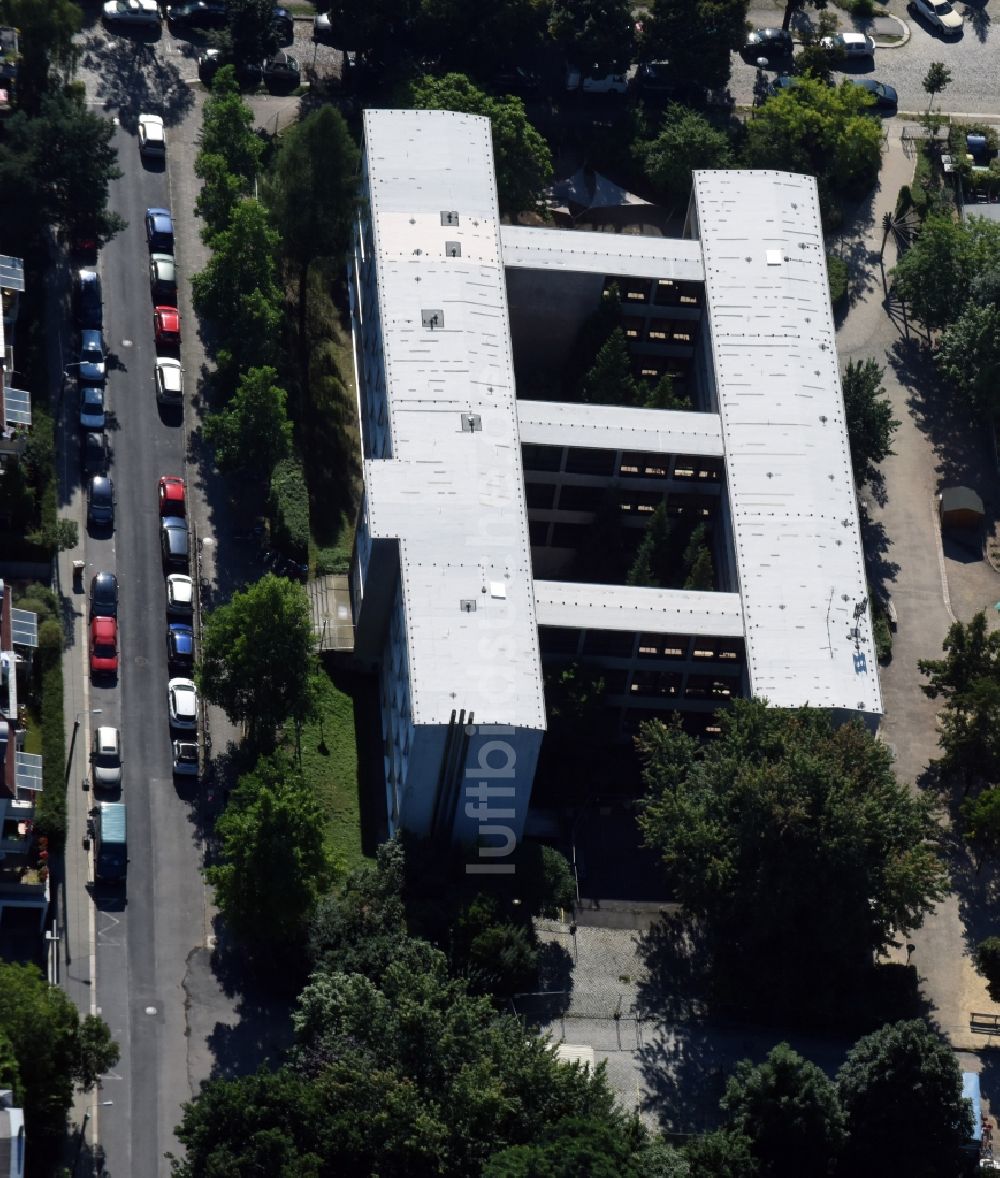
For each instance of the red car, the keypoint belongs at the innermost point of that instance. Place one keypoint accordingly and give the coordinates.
(167, 326)
(103, 646)
(172, 492)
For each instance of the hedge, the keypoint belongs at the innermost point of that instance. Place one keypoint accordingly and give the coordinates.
(289, 509)
(50, 812)
(837, 275)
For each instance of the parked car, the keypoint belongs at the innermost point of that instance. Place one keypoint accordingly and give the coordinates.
(159, 231)
(197, 14)
(169, 381)
(89, 305)
(94, 453)
(101, 502)
(598, 81)
(104, 595)
(152, 138)
(185, 758)
(171, 495)
(91, 406)
(278, 72)
(106, 758)
(283, 24)
(174, 541)
(167, 327)
(515, 79)
(134, 13)
(769, 43)
(180, 646)
(163, 278)
(103, 646)
(182, 703)
(180, 595)
(939, 14)
(850, 45)
(92, 364)
(884, 97)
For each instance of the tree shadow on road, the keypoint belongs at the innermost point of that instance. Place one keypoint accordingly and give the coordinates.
(977, 18)
(137, 82)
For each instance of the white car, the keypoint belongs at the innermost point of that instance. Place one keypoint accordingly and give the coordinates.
(850, 44)
(180, 595)
(938, 13)
(169, 381)
(106, 759)
(140, 13)
(152, 141)
(182, 703)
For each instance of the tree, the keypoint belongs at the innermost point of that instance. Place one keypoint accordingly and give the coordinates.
(981, 816)
(697, 561)
(782, 816)
(53, 1051)
(59, 535)
(788, 1109)
(687, 141)
(936, 274)
(935, 80)
(609, 380)
(238, 289)
(868, 413)
(227, 129)
(663, 395)
(576, 1148)
(274, 1123)
(969, 357)
(480, 39)
(251, 33)
(46, 30)
(651, 566)
(257, 658)
(987, 959)
(252, 432)
(820, 130)
(273, 862)
(721, 1154)
(375, 28)
(72, 158)
(968, 679)
(594, 32)
(521, 157)
(901, 1089)
(697, 36)
(312, 196)
(221, 191)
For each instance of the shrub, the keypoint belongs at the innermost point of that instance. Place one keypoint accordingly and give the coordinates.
(837, 276)
(987, 959)
(50, 812)
(289, 509)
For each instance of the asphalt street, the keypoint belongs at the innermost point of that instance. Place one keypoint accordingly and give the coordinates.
(973, 58)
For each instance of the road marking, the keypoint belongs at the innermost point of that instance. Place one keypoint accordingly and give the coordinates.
(936, 525)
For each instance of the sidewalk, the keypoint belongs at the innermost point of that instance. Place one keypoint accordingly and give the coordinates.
(914, 570)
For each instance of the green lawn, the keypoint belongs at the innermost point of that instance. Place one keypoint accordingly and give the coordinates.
(330, 762)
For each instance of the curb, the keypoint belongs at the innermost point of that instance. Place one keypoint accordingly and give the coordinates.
(904, 36)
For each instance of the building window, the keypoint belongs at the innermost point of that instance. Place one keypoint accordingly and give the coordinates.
(541, 457)
(594, 462)
(540, 496)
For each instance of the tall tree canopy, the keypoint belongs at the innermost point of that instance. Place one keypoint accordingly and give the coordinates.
(46, 29)
(521, 156)
(257, 658)
(969, 357)
(687, 141)
(938, 272)
(594, 32)
(901, 1090)
(696, 37)
(780, 818)
(252, 432)
(870, 424)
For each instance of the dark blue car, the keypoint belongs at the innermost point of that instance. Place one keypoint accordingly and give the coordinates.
(160, 231)
(180, 646)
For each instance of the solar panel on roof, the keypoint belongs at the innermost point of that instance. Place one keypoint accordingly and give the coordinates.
(16, 407)
(28, 771)
(11, 272)
(24, 627)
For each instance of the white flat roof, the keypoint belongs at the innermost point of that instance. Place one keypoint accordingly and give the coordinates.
(610, 427)
(791, 490)
(581, 251)
(636, 608)
(452, 492)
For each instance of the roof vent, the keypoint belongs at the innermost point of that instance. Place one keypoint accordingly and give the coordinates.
(449, 217)
(453, 249)
(498, 590)
(773, 257)
(471, 423)
(432, 320)
(468, 605)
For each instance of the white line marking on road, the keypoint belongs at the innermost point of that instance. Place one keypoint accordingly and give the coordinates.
(936, 525)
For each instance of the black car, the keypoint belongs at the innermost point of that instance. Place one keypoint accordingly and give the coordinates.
(197, 14)
(89, 308)
(94, 455)
(104, 595)
(769, 43)
(180, 646)
(280, 72)
(174, 542)
(100, 502)
(515, 79)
